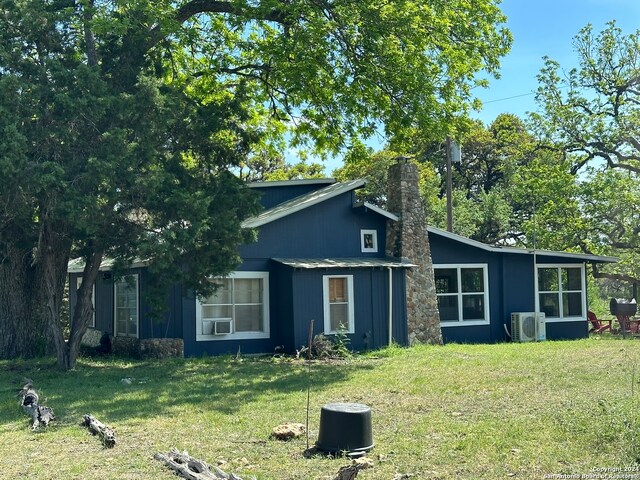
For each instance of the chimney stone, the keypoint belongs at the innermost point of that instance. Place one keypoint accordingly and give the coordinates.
(407, 238)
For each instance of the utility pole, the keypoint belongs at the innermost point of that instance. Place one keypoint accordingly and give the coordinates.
(449, 186)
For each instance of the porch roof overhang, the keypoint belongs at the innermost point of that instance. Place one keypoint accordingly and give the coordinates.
(313, 263)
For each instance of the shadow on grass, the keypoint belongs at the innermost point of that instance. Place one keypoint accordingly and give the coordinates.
(121, 389)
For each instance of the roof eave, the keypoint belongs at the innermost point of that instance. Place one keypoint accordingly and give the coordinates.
(266, 217)
(521, 251)
(376, 209)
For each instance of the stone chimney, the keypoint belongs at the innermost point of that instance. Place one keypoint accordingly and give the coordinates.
(407, 238)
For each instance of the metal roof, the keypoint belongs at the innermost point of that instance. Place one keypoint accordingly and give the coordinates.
(308, 263)
(77, 264)
(377, 209)
(301, 202)
(289, 183)
(521, 251)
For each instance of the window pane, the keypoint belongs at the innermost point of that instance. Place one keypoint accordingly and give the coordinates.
(247, 290)
(217, 311)
(248, 318)
(446, 280)
(571, 279)
(448, 307)
(472, 280)
(473, 307)
(339, 316)
(550, 304)
(338, 290)
(572, 304)
(223, 293)
(126, 306)
(369, 241)
(548, 279)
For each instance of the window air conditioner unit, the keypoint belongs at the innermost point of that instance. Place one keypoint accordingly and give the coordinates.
(523, 327)
(222, 327)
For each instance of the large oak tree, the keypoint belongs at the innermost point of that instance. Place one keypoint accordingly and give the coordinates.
(121, 120)
(591, 113)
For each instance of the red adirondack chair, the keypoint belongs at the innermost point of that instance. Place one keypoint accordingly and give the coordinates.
(597, 325)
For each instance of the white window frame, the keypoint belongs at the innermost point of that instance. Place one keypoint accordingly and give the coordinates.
(485, 276)
(264, 276)
(374, 236)
(327, 306)
(115, 305)
(583, 292)
(93, 300)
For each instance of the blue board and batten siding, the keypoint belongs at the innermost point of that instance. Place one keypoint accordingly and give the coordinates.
(511, 286)
(169, 325)
(313, 229)
(371, 307)
(275, 193)
(330, 229)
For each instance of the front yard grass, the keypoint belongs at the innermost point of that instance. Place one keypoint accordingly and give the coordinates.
(460, 411)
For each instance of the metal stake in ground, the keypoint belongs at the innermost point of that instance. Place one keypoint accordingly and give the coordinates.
(309, 378)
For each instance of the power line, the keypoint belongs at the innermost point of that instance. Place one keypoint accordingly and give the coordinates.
(561, 87)
(509, 98)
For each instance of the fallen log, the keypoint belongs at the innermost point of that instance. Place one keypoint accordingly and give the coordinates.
(29, 400)
(107, 434)
(191, 468)
(350, 472)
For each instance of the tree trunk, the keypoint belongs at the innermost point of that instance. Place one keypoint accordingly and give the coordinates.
(32, 285)
(82, 312)
(23, 330)
(52, 259)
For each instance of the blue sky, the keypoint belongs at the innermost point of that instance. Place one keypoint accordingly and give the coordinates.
(546, 27)
(539, 28)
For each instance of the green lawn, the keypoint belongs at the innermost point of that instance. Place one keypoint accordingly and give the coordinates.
(459, 411)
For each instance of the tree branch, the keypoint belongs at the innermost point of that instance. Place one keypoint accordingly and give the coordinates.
(87, 18)
(196, 7)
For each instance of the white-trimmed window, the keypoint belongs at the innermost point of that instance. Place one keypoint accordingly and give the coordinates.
(463, 294)
(561, 292)
(338, 304)
(126, 308)
(93, 300)
(239, 308)
(369, 241)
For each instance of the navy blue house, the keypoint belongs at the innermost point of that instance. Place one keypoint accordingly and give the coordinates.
(320, 256)
(480, 286)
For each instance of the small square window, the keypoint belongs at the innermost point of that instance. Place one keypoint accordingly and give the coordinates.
(369, 240)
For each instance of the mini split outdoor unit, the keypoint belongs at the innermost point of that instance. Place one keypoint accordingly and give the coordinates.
(528, 327)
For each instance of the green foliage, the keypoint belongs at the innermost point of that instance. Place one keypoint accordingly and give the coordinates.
(326, 347)
(362, 162)
(506, 189)
(120, 122)
(341, 343)
(591, 113)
